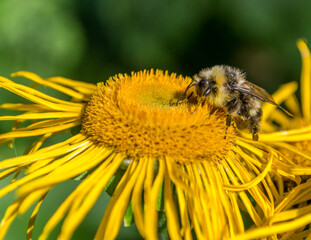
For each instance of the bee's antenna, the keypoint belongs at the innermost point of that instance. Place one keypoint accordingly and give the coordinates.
(185, 92)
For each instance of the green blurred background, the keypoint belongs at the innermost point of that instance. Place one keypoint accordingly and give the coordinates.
(92, 40)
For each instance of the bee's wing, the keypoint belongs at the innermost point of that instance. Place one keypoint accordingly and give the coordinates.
(258, 92)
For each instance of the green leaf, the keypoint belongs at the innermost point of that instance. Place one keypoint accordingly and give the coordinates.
(81, 176)
(128, 217)
(114, 181)
(160, 200)
(75, 130)
(162, 227)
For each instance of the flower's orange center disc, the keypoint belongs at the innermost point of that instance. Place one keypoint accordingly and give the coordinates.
(138, 115)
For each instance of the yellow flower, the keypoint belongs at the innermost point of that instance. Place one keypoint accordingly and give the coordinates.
(175, 162)
(292, 137)
(276, 120)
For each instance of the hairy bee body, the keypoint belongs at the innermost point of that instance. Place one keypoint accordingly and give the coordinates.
(226, 87)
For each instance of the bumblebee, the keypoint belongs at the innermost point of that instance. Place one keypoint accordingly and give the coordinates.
(226, 87)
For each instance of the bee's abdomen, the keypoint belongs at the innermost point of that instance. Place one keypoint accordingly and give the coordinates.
(249, 107)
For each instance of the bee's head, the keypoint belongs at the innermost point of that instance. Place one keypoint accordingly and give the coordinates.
(204, 82)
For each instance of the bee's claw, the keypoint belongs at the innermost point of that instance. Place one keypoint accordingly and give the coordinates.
(255, 137)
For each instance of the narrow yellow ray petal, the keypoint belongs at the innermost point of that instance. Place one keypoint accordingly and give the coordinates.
(85, 88)
(76, 216)
(251, 147)
(292, 132)
(112, 219)
(38, 165)
(72, 83)
(300, 171)
(265, 126)
(41, 115)
(86, 91)
(37, 144)
(41, 154)
(8, 172)
(262, 232)
(36, 132)
(266, 188)
(30, 199)
(284, 136)
(151, 197)
(150, 206)
(234, 220)
(137, 205)
(294, 195)
(38, 97)
(195, 218)
(185, 231)
(170, 209)
(43, 82)
(33, 218)
(292, 149)
(24, 107)
(280, 118)
(17, 183)
(293, 105)
(202, 200)
(15, 176)
(82, 189)
(244, 198)
(237, 223)
(176, 175)
(79, 163)
(305, 79)
(41, 172)
(272, 188)
(209, 207)
(215, 218)
(8, 218)
(78, 138)
(284, 92)
(255, 181)
(48, 123)
(290, 214)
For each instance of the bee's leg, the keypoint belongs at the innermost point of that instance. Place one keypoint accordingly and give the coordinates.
(254, 131)
(185, 92)
(179, 100)
(190, 95)
(254, 125)
(228, 123)
(231, 107)
(255, 136)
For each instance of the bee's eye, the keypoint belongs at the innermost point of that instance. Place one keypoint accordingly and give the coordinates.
(201, 83)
